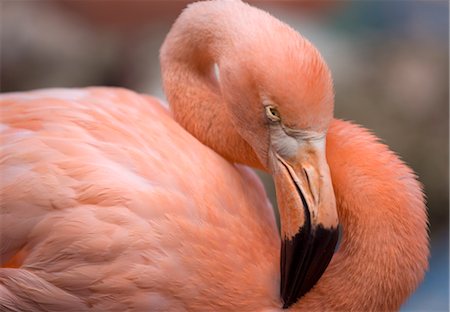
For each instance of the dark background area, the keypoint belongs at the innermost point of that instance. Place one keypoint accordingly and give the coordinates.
(389, 60)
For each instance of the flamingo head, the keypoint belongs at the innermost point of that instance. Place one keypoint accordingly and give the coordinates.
(279, 95)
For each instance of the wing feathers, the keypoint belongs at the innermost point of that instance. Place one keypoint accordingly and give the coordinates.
(22, 290)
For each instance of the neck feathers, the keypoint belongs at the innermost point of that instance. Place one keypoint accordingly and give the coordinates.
(384, 251)
(200, 37)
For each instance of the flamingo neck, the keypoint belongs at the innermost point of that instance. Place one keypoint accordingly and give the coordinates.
(196, 42)
(384, 248)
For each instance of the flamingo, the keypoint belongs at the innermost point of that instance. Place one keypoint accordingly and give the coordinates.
(112, 203)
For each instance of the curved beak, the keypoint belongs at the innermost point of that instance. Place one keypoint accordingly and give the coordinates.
(309, 221)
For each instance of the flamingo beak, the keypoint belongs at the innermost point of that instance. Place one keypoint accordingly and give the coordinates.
(309, 221)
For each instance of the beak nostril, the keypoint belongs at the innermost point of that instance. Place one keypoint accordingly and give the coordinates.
(308, 180)
(307, 177)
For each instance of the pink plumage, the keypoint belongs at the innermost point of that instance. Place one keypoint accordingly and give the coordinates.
(110, 202)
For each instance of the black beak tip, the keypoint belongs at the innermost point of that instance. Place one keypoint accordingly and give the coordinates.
(304, 258)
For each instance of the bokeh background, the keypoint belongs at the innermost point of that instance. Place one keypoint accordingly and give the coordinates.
(390, 61)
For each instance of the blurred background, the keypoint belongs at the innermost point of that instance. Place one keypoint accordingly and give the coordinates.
(390, 61)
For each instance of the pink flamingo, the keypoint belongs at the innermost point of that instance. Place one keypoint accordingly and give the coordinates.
(111, 204)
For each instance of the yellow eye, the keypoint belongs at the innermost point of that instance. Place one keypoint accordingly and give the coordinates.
(272, 113)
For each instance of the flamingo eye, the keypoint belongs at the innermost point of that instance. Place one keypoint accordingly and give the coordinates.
(272, 113)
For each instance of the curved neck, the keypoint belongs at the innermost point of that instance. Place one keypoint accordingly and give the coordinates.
(384, 248)
(195, 43)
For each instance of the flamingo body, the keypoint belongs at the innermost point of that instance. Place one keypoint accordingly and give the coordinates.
(99, 210)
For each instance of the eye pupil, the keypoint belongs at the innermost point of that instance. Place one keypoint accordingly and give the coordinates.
(274, 112)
